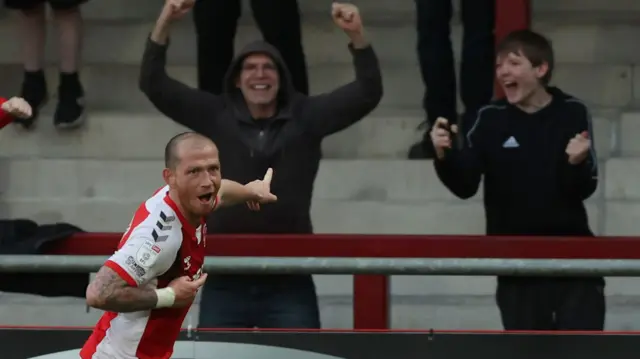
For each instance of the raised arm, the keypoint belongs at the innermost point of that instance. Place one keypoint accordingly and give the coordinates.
(331, 112)
(195, 109)
(126, 281)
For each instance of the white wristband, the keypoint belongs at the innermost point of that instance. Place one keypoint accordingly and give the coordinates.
(166, 297)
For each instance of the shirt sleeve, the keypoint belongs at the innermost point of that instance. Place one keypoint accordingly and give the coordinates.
(142, 258)
(5, 118)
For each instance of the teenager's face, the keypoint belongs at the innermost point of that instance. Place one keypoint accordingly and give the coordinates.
(518, 77)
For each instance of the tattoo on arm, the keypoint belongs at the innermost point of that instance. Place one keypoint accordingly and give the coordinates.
(108, 291)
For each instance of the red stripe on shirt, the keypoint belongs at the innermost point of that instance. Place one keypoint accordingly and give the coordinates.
(5, 118)
(121, 272)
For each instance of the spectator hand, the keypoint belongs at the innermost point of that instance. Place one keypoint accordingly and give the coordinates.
(175, 9)
(441, 135)
(261, 191)
(17, 107)
(578, 148)
(347, 17)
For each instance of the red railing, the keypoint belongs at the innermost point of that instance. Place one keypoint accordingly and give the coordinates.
(371, 292)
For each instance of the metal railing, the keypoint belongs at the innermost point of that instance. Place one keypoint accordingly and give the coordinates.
(374, 254)
(384, 266)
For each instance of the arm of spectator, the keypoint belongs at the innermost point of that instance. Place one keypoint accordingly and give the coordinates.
(580, 178)
(461, 170)
(190, 107)
(334, 111)
(122, 284)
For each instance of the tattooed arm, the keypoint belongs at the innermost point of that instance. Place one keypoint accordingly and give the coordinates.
(126, 281)
(109, 292)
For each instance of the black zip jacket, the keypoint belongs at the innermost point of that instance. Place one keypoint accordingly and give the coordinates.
(289, 142)
(529, 186)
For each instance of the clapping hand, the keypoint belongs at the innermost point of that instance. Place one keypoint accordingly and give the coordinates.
(578, 148)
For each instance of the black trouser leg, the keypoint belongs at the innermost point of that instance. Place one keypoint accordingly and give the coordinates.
(478, 57)
(580, 304)
(216, 22)
(279, 22)
(551, 303)
(525, 303)
(435, 55)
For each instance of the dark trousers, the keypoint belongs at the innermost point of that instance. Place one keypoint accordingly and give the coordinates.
(437, 65)
(551, 303)
(259, 302)
(216, 22)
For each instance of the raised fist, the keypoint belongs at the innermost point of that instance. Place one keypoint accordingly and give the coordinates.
(578, 148)
(347, 17)
(175, 9)
(17, 107)
(441, 135)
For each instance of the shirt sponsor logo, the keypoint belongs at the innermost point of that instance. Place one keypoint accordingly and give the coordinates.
(137, 269)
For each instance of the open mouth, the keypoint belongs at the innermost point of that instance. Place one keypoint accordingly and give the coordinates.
(510, 85)
(261, 87)
(205, 198)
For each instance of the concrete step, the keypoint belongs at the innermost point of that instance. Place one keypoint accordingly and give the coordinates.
(148, 9)
(578, 38)
(115, 87)
(415, 312)
(622, 179)
(629, 126)
(121, 135)
(584, 5)
(100, 195)
(115, 136)
(333, 217)
(357, 217)
(340, 181)
(622, 194)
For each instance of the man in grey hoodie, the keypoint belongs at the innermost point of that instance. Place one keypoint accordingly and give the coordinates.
(260, 122)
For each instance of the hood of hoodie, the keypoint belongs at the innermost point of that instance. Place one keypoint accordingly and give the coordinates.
(286, 91)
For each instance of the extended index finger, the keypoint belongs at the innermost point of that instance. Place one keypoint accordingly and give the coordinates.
(268, 176)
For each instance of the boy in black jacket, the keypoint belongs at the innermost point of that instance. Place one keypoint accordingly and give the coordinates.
(535, 150)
